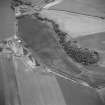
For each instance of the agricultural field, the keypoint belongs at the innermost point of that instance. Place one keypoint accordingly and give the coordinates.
(39, 89)
(7, 20)
(74, 83)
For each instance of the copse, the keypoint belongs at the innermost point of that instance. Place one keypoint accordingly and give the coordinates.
(84, 56)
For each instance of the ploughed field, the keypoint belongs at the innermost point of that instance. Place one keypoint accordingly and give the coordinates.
(90, 7)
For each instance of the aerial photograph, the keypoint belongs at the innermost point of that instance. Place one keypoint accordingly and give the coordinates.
(52, 52)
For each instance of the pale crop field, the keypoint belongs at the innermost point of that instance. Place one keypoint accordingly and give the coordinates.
(76, 16)
(75, 24)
